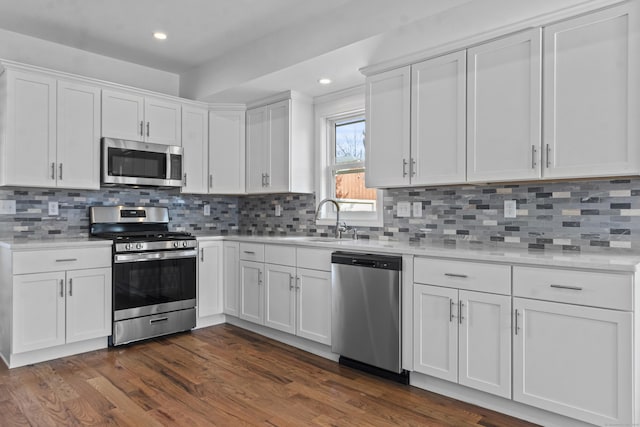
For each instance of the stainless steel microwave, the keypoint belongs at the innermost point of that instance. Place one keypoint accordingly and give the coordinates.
(141, 163)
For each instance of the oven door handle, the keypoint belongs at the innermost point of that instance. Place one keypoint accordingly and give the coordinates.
(154, 256)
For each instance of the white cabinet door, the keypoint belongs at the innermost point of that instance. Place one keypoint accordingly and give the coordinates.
(388, 103)
(277, 179)
(78, 136)
(210, 278)
(503, 108)
(435, 329)
(257, 150)
(280, 298)
(227, 152)
(38, 311)
(314, 305)
(484, 348)
(591, 95)
(122, 115)
(30, 139)
(231, 270)
(574, 360)
(195, 142)
(438, 120)
(252, 291)
(88, 304)
(163, 121)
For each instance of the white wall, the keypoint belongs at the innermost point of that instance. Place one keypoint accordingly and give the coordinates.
(42, 53)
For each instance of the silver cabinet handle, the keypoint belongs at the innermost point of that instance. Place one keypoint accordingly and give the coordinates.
(60, 173)
(412, 167)
(249, 252)
(572, 288)
(202, 254)
(66, 259)
(263, 180)
(548, 156)
(291, 286)
(404, 167)
(298, 282)
(184, 184)
(53, 171)
(141, 127)
(61, 288)
(451, 304)
(516, 328)
(159, 319)
(463, 276)
(70, 287)
(533, 157)
(147, 128)
(267, 180)
(460, 317)
(210, 180)
(259, 277)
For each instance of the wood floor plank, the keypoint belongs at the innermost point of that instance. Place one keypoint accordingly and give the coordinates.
(220, 376)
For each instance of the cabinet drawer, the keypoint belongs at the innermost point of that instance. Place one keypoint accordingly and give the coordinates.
(279, 254)
(252, 252)
(606, 290)
(473, 276)
(314, 259)
(40, 261)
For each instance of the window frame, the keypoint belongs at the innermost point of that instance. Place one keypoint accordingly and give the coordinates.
(338, 107)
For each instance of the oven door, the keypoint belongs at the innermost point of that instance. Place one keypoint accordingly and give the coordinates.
(153, 282)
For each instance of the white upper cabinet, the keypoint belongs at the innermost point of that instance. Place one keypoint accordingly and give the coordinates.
(503, 108)
(388, 103)
(438, 120)
(591, 94)
(51, 132)
(279, 154)
(195, 130)
(134, 117)
(227, 151)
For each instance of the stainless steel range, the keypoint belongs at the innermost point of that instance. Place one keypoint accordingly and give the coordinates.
(154, 272)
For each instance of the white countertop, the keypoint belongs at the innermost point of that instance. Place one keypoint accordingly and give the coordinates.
(602, 260)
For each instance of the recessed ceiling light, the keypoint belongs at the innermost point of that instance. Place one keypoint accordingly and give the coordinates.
(160, 35)
(324, 81)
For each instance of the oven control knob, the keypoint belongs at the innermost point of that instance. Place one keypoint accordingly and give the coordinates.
(176, 244)
(127, 246)
(138, 245)
(184, 244)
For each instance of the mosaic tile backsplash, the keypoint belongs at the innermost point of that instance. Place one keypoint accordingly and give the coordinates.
(562, 216)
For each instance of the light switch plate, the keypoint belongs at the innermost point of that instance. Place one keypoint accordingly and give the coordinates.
(417, 209)
(510, 208)
(7, 207)
(278, 210)
(404, 209)
(207, 210)
(53, 208)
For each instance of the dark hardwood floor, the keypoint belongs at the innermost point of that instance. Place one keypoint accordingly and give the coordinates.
(223, 376)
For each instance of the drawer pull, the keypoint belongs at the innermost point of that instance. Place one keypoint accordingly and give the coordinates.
(249, 252)
(463, 276)
(159, 319)
(67, 260)
(573, 288)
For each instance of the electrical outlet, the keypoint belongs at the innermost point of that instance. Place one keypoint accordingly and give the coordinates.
(207, 210)
(404, 209)
(53, 208)
(510, 208)
(278, 210)
(7, 207)
(417, 209)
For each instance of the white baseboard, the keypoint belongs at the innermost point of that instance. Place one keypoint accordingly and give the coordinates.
(37, 356)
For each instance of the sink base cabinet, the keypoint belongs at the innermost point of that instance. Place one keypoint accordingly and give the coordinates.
(574, 360)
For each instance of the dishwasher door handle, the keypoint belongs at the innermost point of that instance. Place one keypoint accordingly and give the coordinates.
(363, 263)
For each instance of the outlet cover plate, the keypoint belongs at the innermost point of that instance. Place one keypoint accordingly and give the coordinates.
(278, 210)
(207, 210)
(417, 209)
(53, 209)
(7, 207)
(404, 209)
(510, 208)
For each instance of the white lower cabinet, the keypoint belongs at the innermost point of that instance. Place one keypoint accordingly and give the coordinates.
(280, 297)
(463, 336)
(314, 305)
(230, 272)
(573, 359)
(210, 278)
(251, 291)
(62, 307)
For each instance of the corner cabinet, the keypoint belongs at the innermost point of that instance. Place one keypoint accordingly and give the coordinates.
(227, 151)
(279, 147)
(50, 131)
(195, 133)
(60, 303)
(127, 115)
(503, 108)
(592, 94)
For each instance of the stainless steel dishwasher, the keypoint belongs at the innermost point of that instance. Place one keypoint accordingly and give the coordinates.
(366, 318)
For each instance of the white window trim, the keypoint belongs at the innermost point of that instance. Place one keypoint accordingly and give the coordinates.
(327, 109)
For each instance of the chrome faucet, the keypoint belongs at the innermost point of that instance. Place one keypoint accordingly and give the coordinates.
(339, 228)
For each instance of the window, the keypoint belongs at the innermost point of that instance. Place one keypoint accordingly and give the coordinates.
(342, 152)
